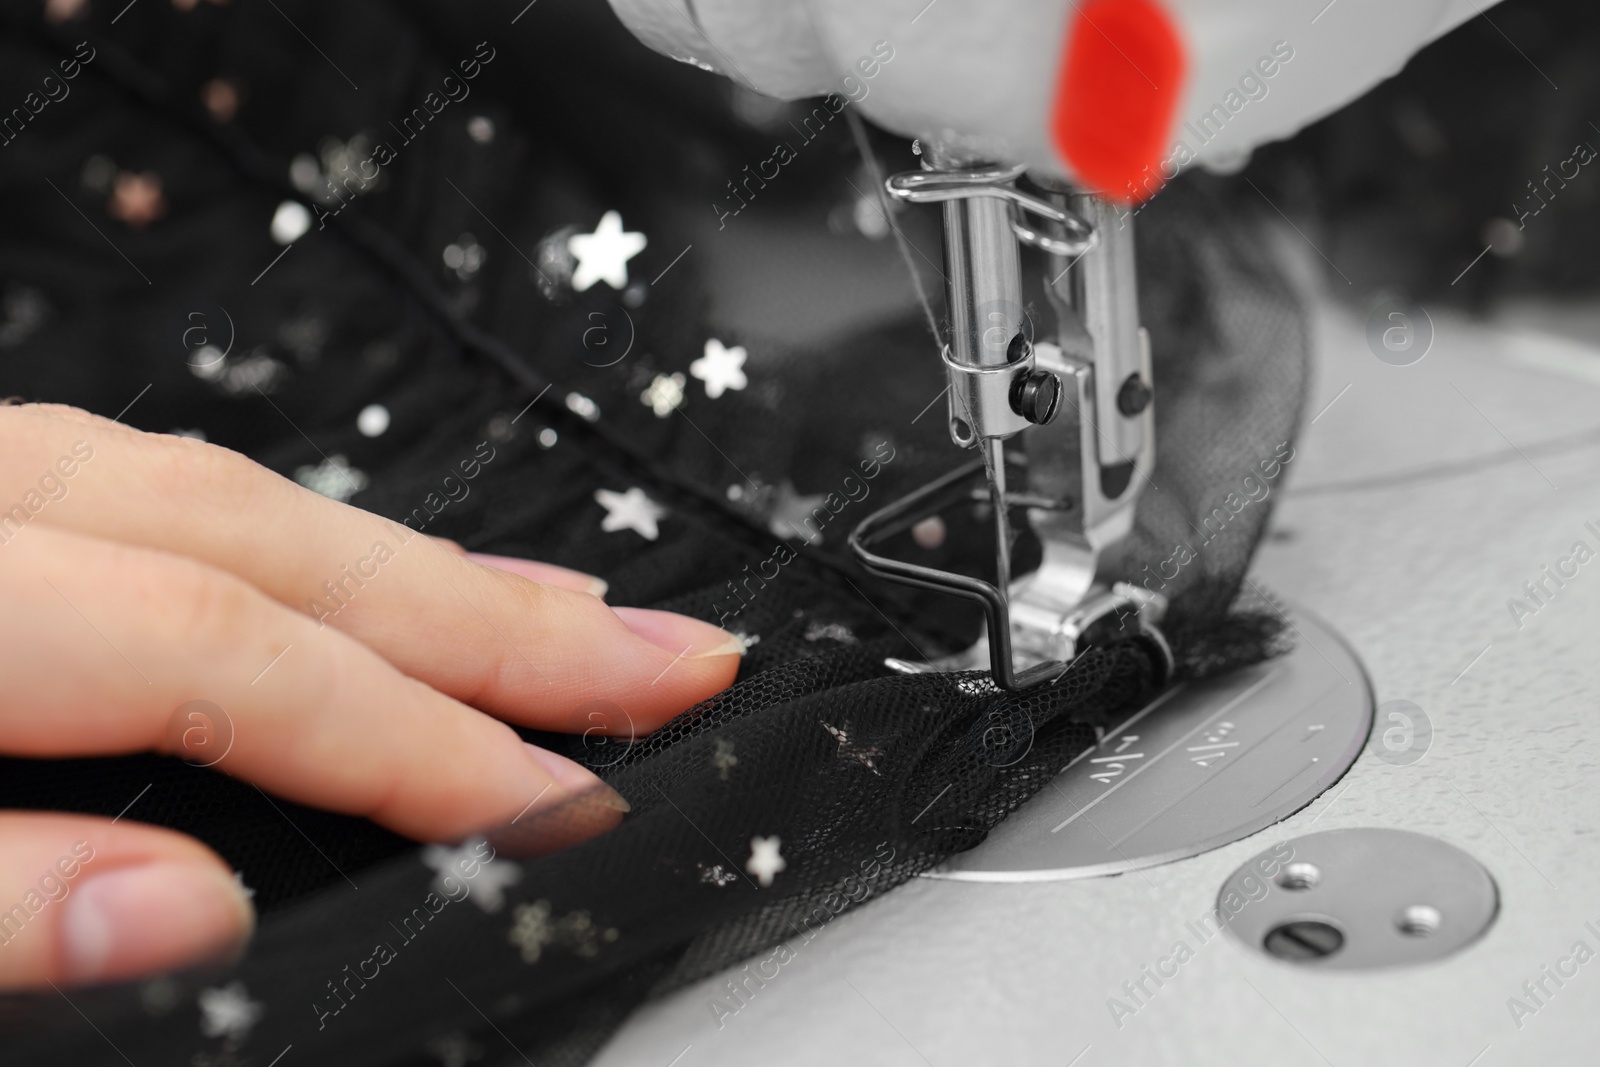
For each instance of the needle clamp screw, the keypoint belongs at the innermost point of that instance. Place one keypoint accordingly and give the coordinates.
(1036, 396)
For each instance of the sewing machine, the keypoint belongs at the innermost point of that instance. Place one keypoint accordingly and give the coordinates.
(1019, 950)
(1039, 124)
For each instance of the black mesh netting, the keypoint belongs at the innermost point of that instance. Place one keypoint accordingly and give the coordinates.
(861, 776)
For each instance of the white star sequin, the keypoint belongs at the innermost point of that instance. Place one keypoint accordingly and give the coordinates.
(791, 510)
(664, 395)
(487, 886)
(603, 255)
(764, 861)
(630, 511)
(228, 1012)
(720, 368)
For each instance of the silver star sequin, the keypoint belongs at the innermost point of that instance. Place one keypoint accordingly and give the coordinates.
(849, 748)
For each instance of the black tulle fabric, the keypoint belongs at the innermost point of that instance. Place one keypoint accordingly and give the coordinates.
(866, 776)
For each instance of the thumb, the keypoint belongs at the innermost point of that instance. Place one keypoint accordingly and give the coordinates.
(84, 900)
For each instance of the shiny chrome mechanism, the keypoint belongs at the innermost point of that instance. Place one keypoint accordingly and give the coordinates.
(1082, 404)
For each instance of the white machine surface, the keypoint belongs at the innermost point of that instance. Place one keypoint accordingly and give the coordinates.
(1207, 80)
(1422, 498)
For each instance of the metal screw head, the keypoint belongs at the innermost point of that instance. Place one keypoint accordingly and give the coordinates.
(1134, 396)
(1303, 939)
(1019, 349)
(1036, 396)
(1298, 877)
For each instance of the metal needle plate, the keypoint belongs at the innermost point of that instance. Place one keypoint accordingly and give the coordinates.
(1367, 897)
(1203, 765)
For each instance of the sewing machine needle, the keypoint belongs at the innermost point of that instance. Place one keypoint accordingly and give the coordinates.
(1002, 524)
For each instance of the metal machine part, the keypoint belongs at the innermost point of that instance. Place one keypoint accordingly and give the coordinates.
(1087, 457)
(1202, 765)
(1360, 898)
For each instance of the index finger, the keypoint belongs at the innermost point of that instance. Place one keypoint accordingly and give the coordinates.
(527, 652)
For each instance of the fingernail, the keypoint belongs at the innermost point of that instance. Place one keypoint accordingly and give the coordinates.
(576, 807)
(575, 780)
(682, 636)
(151, 918)
(544, 573)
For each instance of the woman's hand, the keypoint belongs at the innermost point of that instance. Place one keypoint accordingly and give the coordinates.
(140, 573)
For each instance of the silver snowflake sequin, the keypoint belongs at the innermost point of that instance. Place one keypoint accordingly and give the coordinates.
(158, 996)
(664, 395)
(630, 511)
(850, 749)
(333, 478)
(721, 368)
(533, 930)
(25, 310)
(723, 758)
(208, 363)
(304, 337)
(465, 256)
(334, 175)
(765, 860)
(553, 264)
(255, 372)
(717, 875)
(831, 631)
(583, 407)
(454, 1050)
(603, 255)
(228, 1012)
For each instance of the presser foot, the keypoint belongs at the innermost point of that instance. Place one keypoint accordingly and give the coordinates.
(1022, 649)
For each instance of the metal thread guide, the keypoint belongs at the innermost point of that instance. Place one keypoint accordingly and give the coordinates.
(1086, 460)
